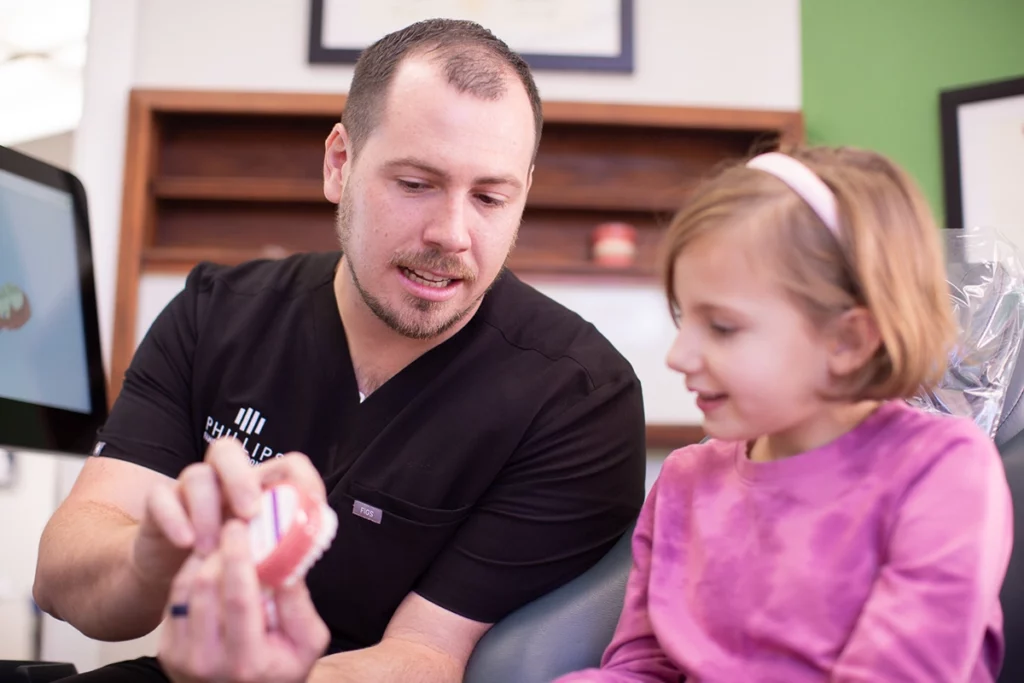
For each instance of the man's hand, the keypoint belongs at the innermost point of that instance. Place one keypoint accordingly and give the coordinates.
(221, 634)
(186, 515)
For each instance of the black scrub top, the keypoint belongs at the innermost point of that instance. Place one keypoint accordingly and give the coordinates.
(492, 469)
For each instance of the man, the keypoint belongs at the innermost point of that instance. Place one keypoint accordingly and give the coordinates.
(495, 438)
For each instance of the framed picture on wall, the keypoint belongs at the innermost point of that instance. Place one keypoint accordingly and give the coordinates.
(587, 35)
(983, 156)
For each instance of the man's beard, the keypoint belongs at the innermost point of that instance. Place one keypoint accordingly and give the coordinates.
(409, 325)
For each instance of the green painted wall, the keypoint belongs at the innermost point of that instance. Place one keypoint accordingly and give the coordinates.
(873, 69)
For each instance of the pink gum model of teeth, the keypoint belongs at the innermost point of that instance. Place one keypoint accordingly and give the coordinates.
(289, 534)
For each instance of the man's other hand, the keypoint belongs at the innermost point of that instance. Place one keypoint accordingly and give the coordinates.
(219, 631)
(186, 516)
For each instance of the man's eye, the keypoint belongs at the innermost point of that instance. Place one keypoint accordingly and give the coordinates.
(491, 200)
(411, 185)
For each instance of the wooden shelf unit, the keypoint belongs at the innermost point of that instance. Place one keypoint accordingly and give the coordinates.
(233, 176)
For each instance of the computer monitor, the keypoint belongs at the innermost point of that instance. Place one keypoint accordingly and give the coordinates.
(52, 386)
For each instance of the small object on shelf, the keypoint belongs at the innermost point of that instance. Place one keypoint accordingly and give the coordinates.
(288, 534)
(614, 245)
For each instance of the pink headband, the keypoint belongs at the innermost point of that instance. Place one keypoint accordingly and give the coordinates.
(804, 182)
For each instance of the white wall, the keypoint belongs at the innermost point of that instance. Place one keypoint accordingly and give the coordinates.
(98, 160)
(25, 507)
(726, 53)
(99, 148)
(729, 53)
(53, 149)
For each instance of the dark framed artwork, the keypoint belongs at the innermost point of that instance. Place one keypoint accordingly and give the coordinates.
(575, 35)
(983, 155)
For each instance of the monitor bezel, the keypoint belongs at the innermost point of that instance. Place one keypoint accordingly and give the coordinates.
(29, 426)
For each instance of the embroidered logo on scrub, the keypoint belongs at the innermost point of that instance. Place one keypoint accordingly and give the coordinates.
(246, 429)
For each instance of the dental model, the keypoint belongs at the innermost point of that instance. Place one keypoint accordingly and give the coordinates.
(289, 534)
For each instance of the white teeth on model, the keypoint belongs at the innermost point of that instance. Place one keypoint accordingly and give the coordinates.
(328, 529)
(425, 278)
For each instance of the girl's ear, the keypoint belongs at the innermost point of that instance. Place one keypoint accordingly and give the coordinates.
(853, 338)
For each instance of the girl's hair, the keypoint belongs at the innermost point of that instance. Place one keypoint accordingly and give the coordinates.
(887, 257)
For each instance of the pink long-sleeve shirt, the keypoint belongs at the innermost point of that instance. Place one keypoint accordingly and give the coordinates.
(878, 557)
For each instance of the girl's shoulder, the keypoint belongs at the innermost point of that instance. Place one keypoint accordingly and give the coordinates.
(928, 432)
(915, 442)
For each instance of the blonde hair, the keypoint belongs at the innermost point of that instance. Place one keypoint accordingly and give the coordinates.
(887, 258)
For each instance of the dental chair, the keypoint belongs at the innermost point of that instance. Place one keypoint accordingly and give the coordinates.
(565, 630)
(989, 298)
(1010, 442)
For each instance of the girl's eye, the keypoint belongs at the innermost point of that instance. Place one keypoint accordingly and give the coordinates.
(722, 330)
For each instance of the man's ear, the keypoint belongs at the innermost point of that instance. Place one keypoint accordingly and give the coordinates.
(853, 339)
(529, 177)
(337, 155)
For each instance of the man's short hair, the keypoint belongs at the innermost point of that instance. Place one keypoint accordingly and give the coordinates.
(474, 60)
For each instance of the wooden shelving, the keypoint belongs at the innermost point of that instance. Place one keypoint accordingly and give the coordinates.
(620, 198)
(232, 176)
(240, 189)
(670, 437)
(182, 259)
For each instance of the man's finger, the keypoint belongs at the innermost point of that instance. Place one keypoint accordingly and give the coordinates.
(200, 492)
(169, 514)
(175, 636)
(244, 625)
(239, 483)
(299, 621)
(206, 658)
(295, 468)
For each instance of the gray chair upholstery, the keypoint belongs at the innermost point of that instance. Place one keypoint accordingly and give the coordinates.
(1011, 423)
(1010, 441)
(1012, 595)
(565, 630)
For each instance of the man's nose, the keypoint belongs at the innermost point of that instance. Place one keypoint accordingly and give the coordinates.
(449, 231)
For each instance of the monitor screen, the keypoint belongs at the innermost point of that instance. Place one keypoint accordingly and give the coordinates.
(52, 388)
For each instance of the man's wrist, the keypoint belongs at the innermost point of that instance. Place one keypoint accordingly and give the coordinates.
(325, 670)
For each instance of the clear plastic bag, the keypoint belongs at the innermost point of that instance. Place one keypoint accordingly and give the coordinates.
(986, 285)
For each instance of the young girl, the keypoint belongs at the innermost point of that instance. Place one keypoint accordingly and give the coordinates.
(828, 531)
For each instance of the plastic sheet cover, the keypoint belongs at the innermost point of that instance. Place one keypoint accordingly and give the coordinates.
(986, 285)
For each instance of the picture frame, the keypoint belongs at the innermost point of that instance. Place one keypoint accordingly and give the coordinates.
(982, 133)
(570, 35)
